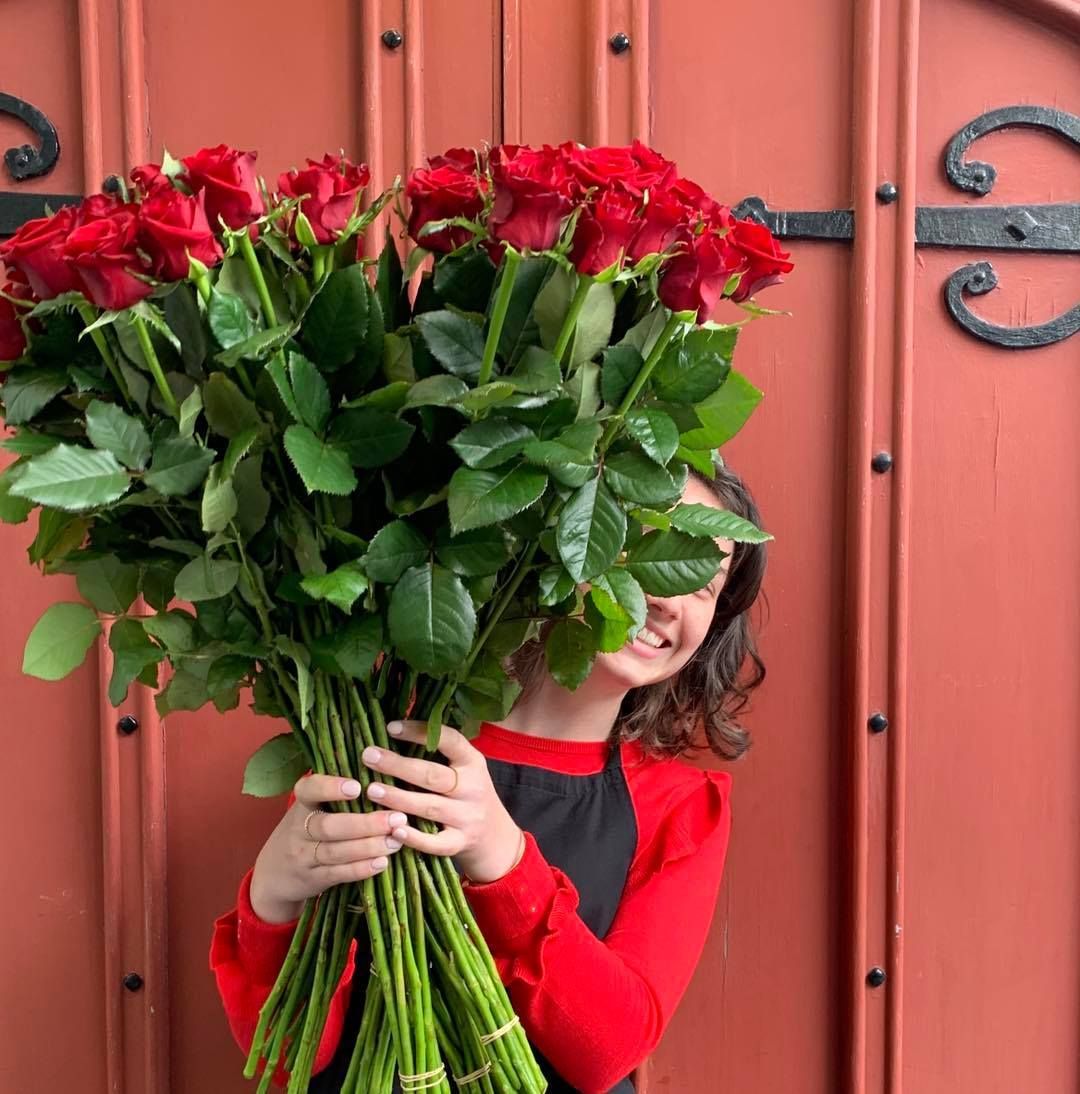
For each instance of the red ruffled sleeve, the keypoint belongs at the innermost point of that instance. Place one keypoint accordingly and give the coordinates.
(246, 955)
(597, 1008)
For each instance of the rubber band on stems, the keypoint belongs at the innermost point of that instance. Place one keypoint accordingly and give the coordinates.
(424, 1081)
(473, 1076)
(487, 1038)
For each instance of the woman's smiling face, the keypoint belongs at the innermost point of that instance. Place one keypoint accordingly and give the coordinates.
(675, 626)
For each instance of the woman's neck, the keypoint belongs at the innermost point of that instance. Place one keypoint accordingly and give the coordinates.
(549, 710)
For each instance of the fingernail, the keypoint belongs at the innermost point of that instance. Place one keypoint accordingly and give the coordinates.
(399, 833)
(376, 790)
(397, 820)
(393, 844)
(370, 755)
(379, 863)
(394, 728)
(350, 788)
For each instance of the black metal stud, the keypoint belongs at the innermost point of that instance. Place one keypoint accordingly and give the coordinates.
(876, 977)
(881, 462)
(112, 184)
(127, 724)
(877, 722)
(887, 193)
(133, 981)
(619, 43)
(392, 39)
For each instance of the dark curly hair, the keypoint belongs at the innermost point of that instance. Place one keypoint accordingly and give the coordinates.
(694, 710)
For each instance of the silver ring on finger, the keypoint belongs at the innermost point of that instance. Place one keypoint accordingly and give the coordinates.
(307, 821)
(317, 862)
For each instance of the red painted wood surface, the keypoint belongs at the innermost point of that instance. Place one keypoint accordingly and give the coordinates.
(942, 593)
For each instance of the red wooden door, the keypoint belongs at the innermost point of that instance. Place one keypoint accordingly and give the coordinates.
(898, 911)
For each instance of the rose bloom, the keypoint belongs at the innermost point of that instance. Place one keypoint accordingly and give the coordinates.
(664, 221)
(694, 279)
(103, 254)
(330, 189)
(444, 190)
(173, 226)
(765, 261)
(533, 191)
(603, 231)
(37, 250)
(12, 336)
(635, 167)
(149, 180)
(228, 179)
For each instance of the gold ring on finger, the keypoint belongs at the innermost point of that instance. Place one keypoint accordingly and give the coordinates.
(307, 821)
(454, 787)
(317, 862)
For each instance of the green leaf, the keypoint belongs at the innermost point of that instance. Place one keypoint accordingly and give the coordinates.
(651, 518)
(341, 587)
(480, 498)
(276, 371)
(491, 442)
(397, 547)
(109, 584)
(12, 510)
(174, 629)
(519, 327)
(336, 323)
(537, 372)
(370, 437)
(28, 443)
(311, 395)
(620, 368)
(185, 691)
(27, 391)
(569, 651)
(436, 391)
(691, 370)
(705, 520)
(591, 531)
(486, 396)
(206, 578)
(59, 534)
(275, 767)
(454, 341)
(723, 414)
(228, 409)
(654, 430)
(698, 458)
(465, 280)
(432, 619)
(261, 344)
(476, 553)
(388, 283)
(179, 465)
(229, 319)
(190, 409)
(252, 497)
(350, 649)
(635, 477)
(58, 643)
(673, 563)
(570, 457)
(109, 428)
(133, 653)
(554, 585)
(628, 594)
(218, 501)
(72, 478)
(239, 447)
(304, 684)
(593, 330)
(182, 315)
(323, 467)
(609, 622)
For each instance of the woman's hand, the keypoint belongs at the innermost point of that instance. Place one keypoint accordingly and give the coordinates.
(351, 847)
(477, 830)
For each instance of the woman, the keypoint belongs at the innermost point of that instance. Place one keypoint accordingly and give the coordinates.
(591, 854)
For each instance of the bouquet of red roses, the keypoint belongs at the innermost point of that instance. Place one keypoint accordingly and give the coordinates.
(271, 466)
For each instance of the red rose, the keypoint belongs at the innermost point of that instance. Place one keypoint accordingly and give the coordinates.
(694, 279)
(12, 336)
(149, 180)
(330, 190)
(228, 179)
(664, 221)
(603, 231)
(103, 254)
(764, 259)
(464, 159)
(173, 226)
(37, 250)
(635, 167)
(440, 193)
(532, 195)
(700, 206)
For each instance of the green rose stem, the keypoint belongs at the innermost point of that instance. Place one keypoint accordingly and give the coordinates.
(511, 261)
(577, 302)
(671, 327)
(251, 260)
(150, 354)
(102, 343)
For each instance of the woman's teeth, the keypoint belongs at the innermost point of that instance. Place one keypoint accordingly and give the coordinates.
(650, 639)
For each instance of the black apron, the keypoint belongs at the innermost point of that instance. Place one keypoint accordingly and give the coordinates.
(583, 824)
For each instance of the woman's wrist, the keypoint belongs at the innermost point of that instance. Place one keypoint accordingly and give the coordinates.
(270, 911)
(486, 873)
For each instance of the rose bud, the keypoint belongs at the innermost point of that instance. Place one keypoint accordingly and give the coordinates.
(329, 191)
(228, 179)
(765, 261)
(103, 254)
(174, 228)
(441, 193)
(694, 279)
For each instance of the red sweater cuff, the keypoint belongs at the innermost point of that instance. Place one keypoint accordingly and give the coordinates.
(509, 909)
(261, 946)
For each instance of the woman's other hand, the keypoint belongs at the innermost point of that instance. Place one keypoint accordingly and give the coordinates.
(477, 831)
(350, 847)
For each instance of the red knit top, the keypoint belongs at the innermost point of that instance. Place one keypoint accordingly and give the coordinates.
(595, 1008)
